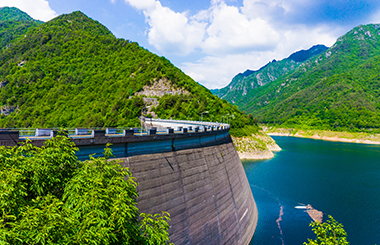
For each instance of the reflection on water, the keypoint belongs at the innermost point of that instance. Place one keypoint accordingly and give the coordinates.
(340, 179)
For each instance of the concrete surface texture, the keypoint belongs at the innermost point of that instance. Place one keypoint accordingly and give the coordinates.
(197, 177)
(205, 190)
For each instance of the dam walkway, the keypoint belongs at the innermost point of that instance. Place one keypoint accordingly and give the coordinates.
(154, 136)
(189, 169)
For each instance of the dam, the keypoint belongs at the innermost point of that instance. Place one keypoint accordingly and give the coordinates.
(193, 172)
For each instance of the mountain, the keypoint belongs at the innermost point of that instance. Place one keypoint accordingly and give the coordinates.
(14, 23)
(336, 90)
(73, 72)
(242, 83)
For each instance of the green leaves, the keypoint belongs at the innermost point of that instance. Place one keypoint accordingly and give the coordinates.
(328, 233)
(155, 228)
(44, 221)
(13, 24)
(78, 74)
(340, 85)
(47, 196)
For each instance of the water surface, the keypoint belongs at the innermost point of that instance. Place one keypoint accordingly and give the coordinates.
(340, 179)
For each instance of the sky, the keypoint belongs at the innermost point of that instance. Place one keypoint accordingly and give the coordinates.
(213, 40)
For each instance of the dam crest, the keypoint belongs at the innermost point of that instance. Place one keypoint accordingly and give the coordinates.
(192, 171)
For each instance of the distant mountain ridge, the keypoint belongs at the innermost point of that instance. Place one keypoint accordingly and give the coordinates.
(336, 90)
(16, 15)
(303, 55)
(243, 83)
(14, 23)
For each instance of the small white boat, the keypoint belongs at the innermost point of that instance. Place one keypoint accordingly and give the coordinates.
(300, 207)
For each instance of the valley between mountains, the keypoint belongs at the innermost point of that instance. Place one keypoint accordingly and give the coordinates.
(322, 89)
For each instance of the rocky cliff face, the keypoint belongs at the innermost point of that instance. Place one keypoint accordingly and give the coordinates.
(160, 88)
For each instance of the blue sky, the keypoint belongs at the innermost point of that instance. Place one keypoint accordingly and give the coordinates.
(213, 40)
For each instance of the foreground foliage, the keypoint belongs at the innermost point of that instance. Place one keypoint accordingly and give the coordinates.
(47, 196)
(328, 233)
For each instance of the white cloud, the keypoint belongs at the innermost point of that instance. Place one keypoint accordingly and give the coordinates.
(37, 9)
(303, 37)
(231, 31)
(173, 32)
(218, 71)
(219, 29)
(232, 39)
(146, 5)
(263, 9)
(170, 32)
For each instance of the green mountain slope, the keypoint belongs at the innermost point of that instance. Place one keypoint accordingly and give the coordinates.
(245, 82)
(73, 72)
(337, 90)
(14, 23)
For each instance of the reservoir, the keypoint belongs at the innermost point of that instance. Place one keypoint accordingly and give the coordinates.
(339, 179)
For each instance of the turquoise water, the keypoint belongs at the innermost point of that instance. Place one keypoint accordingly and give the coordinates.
(339, 179)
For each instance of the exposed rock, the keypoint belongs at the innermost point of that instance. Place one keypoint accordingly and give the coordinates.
(368, 33)
(149, 104)
(316, 215)
(3, 83)
(244, 92)
(160, 88)
(256, 155)
(259, 146)
(6, 110)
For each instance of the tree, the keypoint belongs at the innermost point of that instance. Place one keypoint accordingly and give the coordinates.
(328, 233)
(48, 196)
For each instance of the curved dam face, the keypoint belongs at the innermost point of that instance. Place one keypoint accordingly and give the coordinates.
(204, 189)
(195, 176)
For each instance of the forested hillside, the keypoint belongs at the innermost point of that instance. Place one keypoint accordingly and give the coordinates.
(14, 23)
(243, 83)
(73, 72)
(337, 90)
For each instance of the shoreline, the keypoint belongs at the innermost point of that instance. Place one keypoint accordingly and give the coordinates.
(260, 155)
(335, 138)
(255, 147)
(256, 155)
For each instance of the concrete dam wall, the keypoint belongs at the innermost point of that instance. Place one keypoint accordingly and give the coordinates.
(197, 177)
(205, 190)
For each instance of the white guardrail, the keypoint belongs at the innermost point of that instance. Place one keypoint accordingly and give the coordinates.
(167, 123)
(148, 126)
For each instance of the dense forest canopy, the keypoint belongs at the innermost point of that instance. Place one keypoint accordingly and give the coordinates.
(73, 72)
(236, 91)
(14, 23)
(336, 90)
